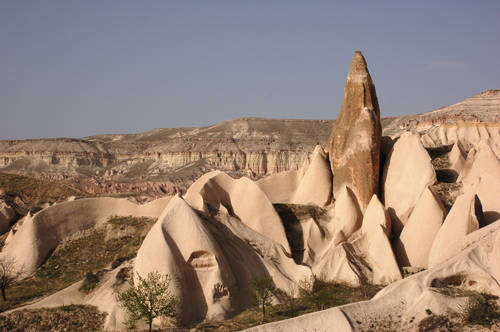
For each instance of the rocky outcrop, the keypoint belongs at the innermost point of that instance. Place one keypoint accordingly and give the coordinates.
(488, 191)
(348, 217)
(250, 147)
(7, 214)
(173, 246)
(457, 157)
(376, 215)
(481, 108)
(479, 162)
(414, 244)
(310, 185)
(241, 198)
(404, 305)
(354, 143)
(465, 217)
(407, 172)
(262, 146)
(36, 236)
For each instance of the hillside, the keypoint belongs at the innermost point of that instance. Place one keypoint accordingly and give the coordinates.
(168, 160)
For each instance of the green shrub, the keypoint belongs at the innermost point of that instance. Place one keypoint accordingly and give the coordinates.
(117, 262)
(480, 309)
(136, 222)
(65, 318)
(148, 299)
(90, 282)
(122, 276)
(262, 290)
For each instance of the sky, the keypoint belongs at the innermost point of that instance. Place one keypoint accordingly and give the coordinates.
(79, 68)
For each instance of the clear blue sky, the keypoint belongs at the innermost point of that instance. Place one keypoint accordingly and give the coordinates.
(77, 68)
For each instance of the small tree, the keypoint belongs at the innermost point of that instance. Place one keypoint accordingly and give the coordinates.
(149, 299)
(9, 274)
(316, 291)
(289, 300)
(262, 290)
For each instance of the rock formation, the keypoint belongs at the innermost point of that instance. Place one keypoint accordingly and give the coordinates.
(347, 217)
(465, 217)
(481, 160)
(407, 172)
(457, 157)
(310, 185)
(376, 215)
(354, 143)
(488, 191)
(7, 214)
(414, 244)
(403, 305)
(228, 229)
(39, 234)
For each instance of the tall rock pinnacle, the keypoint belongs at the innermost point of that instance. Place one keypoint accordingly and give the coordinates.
(354, 144)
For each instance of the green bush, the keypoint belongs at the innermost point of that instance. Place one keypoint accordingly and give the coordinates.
(90, 282)
(122, 275)
(480, 309)
(262, 290)
(148, 299)
(65, 318)
(136, 222)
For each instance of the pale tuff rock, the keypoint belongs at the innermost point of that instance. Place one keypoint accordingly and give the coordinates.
(241, 198)
(405, 303)
(479, 162)
(407, 172)
(377, 250)
(354, 144)
(103, 297)
(376, 215)
(316, 185)
(280, 187)
(40, 234)
(347, 215)
(310, 185)
(210, 254)
(174, 245)
(488, 191)
(341, 263)
(470, 134)
(457, 157)
(465, 217)
(316, 241)
(7, 214)
(414, 244)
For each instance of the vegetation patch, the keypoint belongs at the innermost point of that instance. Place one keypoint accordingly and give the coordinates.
(481, 309)
(71, 262)
(65, 318)
(409, 271)
(441, 162)
(328, 294)
(136, 222)
(123, 275)
(299, 211)
(436, 323)
(448, 193)
(26, 193)
(91, 281)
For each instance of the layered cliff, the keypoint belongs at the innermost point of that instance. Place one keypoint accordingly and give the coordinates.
(169, 159)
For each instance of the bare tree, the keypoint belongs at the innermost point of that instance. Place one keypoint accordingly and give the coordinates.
(9, 274)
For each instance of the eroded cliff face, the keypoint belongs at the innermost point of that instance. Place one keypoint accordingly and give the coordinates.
(173, 157)
(168, 160)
